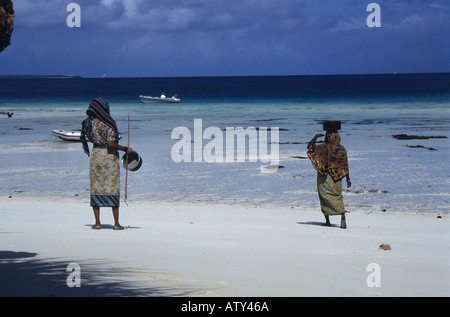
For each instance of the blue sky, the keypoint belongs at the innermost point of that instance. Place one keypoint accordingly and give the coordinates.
(152, 38)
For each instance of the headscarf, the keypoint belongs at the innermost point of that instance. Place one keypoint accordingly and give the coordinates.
(98, 108)
(330, 157)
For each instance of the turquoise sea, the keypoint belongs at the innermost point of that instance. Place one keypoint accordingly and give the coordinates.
(387, 173)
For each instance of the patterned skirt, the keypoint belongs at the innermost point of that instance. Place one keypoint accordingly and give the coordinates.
(104, 174)
(330, 195)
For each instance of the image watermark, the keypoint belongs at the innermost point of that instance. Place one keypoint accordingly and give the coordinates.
(74, 278)
(374, 18)
(235, 145)
(74, 18)
(374, 278)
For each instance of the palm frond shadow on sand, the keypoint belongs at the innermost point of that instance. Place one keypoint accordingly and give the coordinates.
(23, 275)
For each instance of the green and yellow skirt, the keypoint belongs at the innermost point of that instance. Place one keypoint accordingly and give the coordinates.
(330, 195)
(104, 174)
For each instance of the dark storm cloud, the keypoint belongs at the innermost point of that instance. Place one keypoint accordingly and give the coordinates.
(216, 37)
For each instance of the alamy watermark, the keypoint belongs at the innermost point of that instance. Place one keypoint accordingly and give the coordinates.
(74, 278)
(374, 278)
(236, 144)
(374, 18)
(74, 18)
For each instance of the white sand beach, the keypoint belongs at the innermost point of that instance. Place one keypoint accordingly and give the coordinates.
(216, 250)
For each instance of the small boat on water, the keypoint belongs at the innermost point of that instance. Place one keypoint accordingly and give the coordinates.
(162, 98)
(67, 135)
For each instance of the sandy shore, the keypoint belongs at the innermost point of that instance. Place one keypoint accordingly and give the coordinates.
(199, 250)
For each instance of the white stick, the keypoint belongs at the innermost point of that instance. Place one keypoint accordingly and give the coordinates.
(126, 164)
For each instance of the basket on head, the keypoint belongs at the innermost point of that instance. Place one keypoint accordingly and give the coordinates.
(331, 126)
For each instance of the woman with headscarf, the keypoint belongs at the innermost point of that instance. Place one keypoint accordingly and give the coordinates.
(331, 162)
(104, 169)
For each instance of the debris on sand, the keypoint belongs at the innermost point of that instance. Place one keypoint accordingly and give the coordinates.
(421, 147)
(384, 246)
(419, 137)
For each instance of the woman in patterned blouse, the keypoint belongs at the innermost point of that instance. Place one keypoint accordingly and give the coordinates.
(331, 162)
(104, 169)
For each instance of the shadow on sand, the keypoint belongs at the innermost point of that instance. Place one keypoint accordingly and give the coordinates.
(111, 227)
(316, 223)
(22, 275)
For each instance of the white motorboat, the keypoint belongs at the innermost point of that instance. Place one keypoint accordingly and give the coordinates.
(67, 135)
(74, 135)
(162, 98)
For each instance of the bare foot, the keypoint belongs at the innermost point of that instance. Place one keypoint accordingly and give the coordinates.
(119, 227)
(96, 227)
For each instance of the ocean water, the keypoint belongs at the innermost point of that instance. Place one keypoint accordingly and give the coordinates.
(387, 173)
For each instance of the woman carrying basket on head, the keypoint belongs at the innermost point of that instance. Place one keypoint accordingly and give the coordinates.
(331, 162)
(104, 169)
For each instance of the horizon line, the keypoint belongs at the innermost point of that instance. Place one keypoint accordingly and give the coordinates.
(214, 76)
